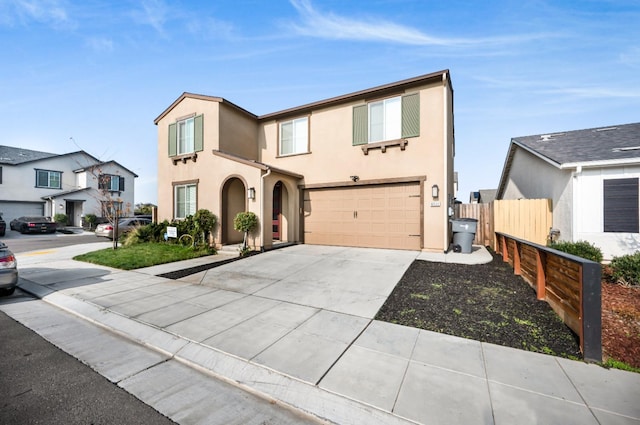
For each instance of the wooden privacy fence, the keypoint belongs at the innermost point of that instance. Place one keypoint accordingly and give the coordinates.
(528, 219)
(571, 285)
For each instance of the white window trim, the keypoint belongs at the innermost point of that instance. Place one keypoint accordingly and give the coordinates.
(386, 120)
(300, 140)
(187, 202)
(186, 145)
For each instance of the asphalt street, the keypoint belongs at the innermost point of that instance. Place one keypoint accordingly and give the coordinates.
(41, 384)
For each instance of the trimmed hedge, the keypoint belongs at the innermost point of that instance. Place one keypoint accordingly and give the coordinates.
(581, 249)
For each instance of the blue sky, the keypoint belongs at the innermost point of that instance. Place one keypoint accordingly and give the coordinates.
(94, 74)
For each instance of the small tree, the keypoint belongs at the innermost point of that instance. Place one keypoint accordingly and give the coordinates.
(204, 222)
(245, 222)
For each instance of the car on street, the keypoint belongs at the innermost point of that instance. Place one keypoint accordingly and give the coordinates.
(33, 225)
(8, 270)
(3, 226)
(124, 225)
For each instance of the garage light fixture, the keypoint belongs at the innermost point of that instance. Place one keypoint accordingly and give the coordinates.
(251, 193)
(354, 178)
(435, 191)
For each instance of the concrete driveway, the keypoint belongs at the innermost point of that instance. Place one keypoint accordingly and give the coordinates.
(354, 281)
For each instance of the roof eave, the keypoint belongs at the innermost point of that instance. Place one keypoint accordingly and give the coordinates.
(362, 94)
(600, 164)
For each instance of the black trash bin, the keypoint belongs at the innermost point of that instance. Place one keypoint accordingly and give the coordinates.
(464, 232)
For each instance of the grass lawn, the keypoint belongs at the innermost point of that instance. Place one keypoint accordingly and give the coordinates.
(141, 255)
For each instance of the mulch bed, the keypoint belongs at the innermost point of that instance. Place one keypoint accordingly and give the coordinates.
(485, 302)
(621, 323)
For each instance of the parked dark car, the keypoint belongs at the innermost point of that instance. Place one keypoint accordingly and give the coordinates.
(124, 225)
(8, 271)
(33, 225)
(3, 226)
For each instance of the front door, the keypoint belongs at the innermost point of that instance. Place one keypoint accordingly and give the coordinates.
(70, 212)
(277, 209)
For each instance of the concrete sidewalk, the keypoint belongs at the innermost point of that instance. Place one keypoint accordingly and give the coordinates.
(295, 325)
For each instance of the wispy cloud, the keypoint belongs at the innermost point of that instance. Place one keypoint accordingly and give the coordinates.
(332, 26)
(597, 92)
(100, 44)
(48, 12)
(153, 13)
(211, 28)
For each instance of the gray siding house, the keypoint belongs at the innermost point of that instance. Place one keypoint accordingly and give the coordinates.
(591, 177)
(34, 183)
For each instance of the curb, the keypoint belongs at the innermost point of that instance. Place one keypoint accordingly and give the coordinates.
(271, 385)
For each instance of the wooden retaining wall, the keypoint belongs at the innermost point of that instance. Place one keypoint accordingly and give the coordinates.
(571, 285)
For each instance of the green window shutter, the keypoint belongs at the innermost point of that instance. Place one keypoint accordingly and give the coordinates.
(411, 115)
(360, 125)
(198, 136)
(173, 139)
(121, 184)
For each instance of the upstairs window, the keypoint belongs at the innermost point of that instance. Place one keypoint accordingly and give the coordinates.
(184, 200)
(294, 136)
(186, 136)
(388, 119)
(49, 179)
(385, 120)
(110, 182)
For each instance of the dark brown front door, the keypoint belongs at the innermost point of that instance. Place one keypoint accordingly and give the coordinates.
(277, 209)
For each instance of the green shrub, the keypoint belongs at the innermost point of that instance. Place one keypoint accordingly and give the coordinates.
(204, 223)
(626, 269)
(60, 219)
(91, 219)
(581, 249)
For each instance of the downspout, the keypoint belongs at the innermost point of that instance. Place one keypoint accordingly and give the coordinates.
(262, 215)
(445, 204)
(575, 188)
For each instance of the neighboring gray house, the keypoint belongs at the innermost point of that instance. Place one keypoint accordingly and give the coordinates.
(482, 196)
(34, 183)
(591, 177)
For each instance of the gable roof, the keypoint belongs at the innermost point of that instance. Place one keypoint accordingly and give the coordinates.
(378, 91)
(100, 164)
(187, 95)
(592, 147)
(15, 156)
(619, 142)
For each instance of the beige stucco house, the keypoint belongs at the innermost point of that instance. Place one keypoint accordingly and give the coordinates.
(372, 168)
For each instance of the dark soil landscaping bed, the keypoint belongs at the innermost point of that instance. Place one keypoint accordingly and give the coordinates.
(485, 302)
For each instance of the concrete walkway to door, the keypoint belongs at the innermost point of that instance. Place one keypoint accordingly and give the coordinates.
(295, 325)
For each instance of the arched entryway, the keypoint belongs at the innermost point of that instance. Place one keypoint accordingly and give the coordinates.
(280, 209)
(233, 201)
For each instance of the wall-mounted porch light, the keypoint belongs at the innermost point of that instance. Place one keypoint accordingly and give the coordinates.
(354, 178)
(251, 193)
(435, 191)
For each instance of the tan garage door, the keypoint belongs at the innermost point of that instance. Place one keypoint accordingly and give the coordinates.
(376, 216)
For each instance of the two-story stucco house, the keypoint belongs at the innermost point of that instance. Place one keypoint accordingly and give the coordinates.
(592, 178)
(372, 168)
(34, 183)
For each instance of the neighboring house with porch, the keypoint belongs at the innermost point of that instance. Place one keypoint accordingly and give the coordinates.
(591, 177)
(372, 168)
(34, 183)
